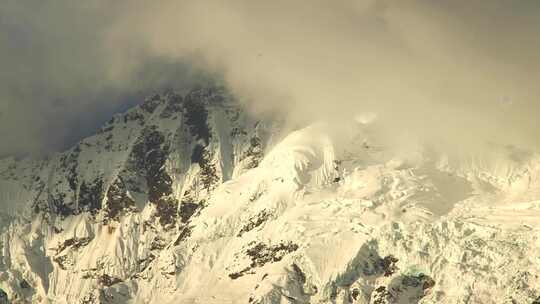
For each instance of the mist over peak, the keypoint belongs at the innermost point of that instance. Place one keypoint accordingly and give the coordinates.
(264, 152)
(447, 74)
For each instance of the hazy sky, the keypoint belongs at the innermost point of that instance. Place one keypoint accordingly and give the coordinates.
(453, 73)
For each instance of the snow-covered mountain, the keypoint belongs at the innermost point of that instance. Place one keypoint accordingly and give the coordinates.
(189, 199)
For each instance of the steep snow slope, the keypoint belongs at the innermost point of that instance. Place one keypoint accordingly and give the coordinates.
(189, 200)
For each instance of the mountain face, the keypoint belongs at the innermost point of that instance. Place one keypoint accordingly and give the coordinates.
(189, 199)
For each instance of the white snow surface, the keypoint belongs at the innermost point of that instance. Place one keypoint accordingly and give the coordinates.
(297, 218)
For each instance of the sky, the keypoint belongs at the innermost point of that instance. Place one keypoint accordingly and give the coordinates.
(449, 73)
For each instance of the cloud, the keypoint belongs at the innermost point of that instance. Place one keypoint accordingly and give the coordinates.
(452, 74)
(58, 79)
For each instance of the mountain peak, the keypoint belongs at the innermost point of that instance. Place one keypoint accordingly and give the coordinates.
(190, 199)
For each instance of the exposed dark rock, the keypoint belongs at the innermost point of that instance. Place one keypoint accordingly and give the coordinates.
(107, 280)
(355, 294)
(366, 265)
(385, 266)
(294, 290)
(149, 152)
(254, 222)
(147, 160)
(74, 243)
(58, 205)
(403, 289)
(236, 275)
(184, 234)
(69, 163)
(388, 265)
(158, 180)
(254, 153)
(174, 106)
(117, 200)
(91, 195)
(150, 104)
(187, 209)
(166, 210)
(62, 261)
(235, 132)
(421, 280)
(262, 254)
(144, 263)
(158, 244)
(196, 117)
(58, 202)
(159, 185)
(300, 275)
(24, 284)
(89, 298)
(149, 156)
(134, 116)
(381, 296)
(208, 173)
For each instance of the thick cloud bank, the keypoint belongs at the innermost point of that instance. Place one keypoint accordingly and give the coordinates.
(450, 73)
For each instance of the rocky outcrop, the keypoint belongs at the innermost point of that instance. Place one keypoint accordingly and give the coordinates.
(91, 196)
(254, 222)
(403, 289)
(261, 254)
(196, 116)
(118, 202)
